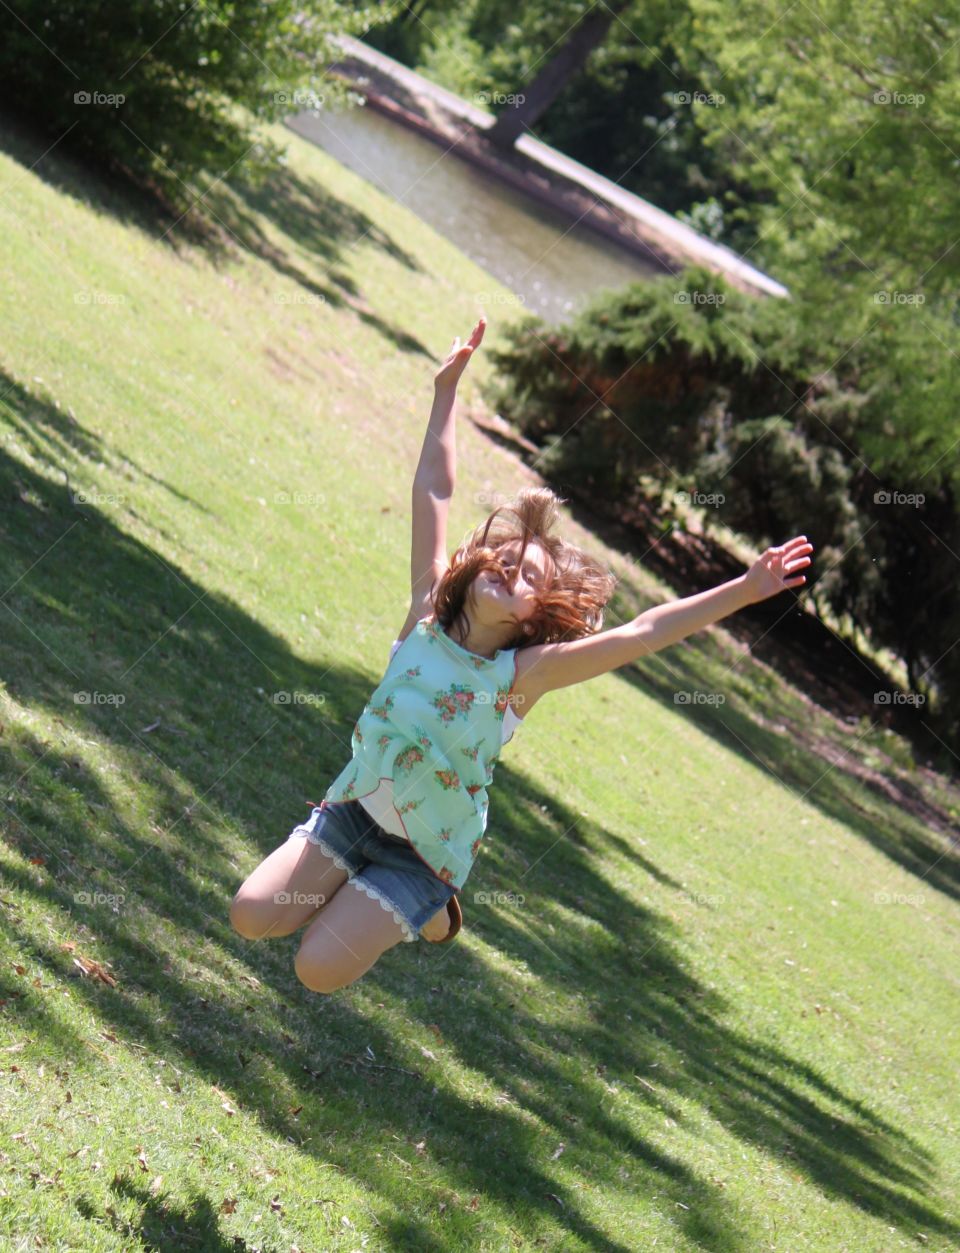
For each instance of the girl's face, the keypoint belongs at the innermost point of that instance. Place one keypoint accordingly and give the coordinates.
(514, 595)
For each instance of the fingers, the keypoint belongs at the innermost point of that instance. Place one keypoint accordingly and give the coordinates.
(476, 336)
(793, 550)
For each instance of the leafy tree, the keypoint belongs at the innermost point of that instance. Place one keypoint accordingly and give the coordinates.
(683, 383)
(164, 92)
(846, 119)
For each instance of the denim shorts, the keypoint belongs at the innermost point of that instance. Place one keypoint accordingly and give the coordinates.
(379, 863)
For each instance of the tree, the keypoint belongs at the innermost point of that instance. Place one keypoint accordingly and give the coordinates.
(847, 119)
(168, 94)
(628, 113)
(527, 106)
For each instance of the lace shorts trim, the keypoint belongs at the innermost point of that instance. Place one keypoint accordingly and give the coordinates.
(360, 882)
(385, 903)
(324, 848)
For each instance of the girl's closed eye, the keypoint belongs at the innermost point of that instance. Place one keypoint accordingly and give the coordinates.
(530, 572)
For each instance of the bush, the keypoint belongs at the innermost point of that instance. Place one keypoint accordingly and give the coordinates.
(165, 91)
(698, 387)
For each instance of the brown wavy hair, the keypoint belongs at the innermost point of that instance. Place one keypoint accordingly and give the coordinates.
(576, 589)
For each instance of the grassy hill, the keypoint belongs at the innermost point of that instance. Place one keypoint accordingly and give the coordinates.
(713, 1006)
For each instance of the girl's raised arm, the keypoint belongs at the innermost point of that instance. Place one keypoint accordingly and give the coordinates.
(434, 480)
(437, 467)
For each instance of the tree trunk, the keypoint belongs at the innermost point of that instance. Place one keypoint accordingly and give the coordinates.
(410, 11)
(541, 93)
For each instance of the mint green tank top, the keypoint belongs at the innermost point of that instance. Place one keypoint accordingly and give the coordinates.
(433, 728)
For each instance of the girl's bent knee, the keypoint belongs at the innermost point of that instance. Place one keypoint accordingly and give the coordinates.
(250, 919)
(316, 977)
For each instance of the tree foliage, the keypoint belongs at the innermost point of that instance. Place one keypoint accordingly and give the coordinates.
(847, 118)
(166, 92)
(690, 385)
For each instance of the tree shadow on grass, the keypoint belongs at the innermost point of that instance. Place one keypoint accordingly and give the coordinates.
(163, 1223)
(188, 988)
(320, 228)
(315, 229)
(60, 438)
(651, 1028)
(919, 838)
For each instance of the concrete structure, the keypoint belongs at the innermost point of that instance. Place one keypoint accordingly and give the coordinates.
(540, 171)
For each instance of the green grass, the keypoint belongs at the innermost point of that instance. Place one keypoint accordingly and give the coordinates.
(697, 1024)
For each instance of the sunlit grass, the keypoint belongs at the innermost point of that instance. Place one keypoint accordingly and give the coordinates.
(709, 998)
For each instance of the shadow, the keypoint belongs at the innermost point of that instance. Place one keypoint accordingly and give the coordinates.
(57, 438)
(306, 222)
(321, 228)
(89, 609)
(162, 1223)
(98, 185)
(657, 1034)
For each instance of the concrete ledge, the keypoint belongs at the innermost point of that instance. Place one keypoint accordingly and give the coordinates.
(540, 171)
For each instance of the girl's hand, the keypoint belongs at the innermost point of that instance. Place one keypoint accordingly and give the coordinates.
(772, 570)
(448, 375)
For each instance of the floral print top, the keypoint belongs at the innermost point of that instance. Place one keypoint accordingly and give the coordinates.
(433, 727)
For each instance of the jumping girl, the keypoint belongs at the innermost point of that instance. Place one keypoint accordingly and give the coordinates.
(515, 614)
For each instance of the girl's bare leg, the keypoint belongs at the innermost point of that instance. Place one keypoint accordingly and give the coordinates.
(285, 890)
(344, 940)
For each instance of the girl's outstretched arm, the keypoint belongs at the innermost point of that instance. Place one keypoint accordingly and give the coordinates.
(773, 571)
(544, 667)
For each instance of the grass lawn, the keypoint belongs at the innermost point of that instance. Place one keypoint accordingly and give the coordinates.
(712, 1003)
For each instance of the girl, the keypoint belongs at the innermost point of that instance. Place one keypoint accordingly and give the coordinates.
(515, 614)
